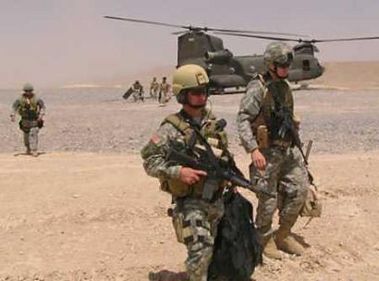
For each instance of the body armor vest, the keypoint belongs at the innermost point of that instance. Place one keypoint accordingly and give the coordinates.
(218, 141)
(28, 108)
(277, 96)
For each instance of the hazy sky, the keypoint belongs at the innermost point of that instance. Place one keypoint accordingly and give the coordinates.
(53, 43)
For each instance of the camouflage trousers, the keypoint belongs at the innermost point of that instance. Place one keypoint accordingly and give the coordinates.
(195, 222)
(285, 177)
(31, 139)
(163, 97)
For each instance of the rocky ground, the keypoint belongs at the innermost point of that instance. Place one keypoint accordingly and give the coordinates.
(98, 120)
(84, 209)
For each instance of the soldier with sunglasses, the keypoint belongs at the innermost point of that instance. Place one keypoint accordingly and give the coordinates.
(277, 165)
(195, 219)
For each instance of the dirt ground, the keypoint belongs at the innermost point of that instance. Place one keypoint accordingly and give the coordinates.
(85, 210)
(88, 216)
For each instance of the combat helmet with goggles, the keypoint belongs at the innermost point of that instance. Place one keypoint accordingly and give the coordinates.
(189, 77)
(278, 54)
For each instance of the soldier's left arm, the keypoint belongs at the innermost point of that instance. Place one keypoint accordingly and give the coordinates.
(42, 108)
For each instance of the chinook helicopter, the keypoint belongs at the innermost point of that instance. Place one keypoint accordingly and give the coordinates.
(230, 74)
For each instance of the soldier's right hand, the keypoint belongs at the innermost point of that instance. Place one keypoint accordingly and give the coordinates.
(258, 159)
(190, 176)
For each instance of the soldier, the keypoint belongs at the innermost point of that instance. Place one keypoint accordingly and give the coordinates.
(154, 88)
(195, 219)
(276, 165)
(164, 92)
(31, 109)
(138, 93)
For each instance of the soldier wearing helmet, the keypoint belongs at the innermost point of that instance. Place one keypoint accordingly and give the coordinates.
(277, 165)
(31, 110)
(195, 219)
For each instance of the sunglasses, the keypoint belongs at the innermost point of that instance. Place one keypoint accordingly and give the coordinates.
(283, 65)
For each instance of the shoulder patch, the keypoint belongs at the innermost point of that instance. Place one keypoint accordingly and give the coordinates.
(155, 139)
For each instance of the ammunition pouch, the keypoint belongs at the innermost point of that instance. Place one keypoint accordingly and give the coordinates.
(262, 137)
(312, 206)
(177, 221)
(26, 125)
(40, 123)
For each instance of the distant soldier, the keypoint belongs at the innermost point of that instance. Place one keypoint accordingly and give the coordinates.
(164, 92)
(138, 93)
(154, 88)
(268, 131)
(31, 109)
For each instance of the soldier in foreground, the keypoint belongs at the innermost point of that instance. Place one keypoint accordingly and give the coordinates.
(267, 130)
(32, 110)
(195, 218)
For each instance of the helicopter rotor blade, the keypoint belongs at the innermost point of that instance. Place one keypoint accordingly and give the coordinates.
(198, 28)
(146, 21)
(342, 39)
(253, 32)
(178, 32)
(312, 41)
(260, 36)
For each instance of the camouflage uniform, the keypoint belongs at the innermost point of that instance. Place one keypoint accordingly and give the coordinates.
(164, 89)
(31, 109)
(285, 175)
(195, 220)
(154, 89)
(137, 92)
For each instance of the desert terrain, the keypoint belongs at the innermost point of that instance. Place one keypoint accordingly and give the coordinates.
(85, 209)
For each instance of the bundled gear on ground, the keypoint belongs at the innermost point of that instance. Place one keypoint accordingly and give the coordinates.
(237, 250)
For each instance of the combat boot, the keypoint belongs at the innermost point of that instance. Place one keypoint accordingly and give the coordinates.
(286, 243)
(270, 250)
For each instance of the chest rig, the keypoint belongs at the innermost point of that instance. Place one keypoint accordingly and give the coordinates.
(211, 131)
(277, 101)
(28, 108)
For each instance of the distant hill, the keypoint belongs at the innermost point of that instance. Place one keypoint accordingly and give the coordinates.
(350, 75)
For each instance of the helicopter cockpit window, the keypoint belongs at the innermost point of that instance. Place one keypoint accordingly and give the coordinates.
(306, 65)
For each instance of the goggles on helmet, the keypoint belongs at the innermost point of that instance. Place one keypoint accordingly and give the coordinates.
(284, 60)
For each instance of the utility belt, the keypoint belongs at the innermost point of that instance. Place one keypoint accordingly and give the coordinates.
(26, 124)
(282, 144)
(264, 141)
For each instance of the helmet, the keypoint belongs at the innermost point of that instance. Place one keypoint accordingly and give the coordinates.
(278, 53)
(188, 77)
(28, 87)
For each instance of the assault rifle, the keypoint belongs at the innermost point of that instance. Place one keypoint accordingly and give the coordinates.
(288, 126)
(203, 158)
